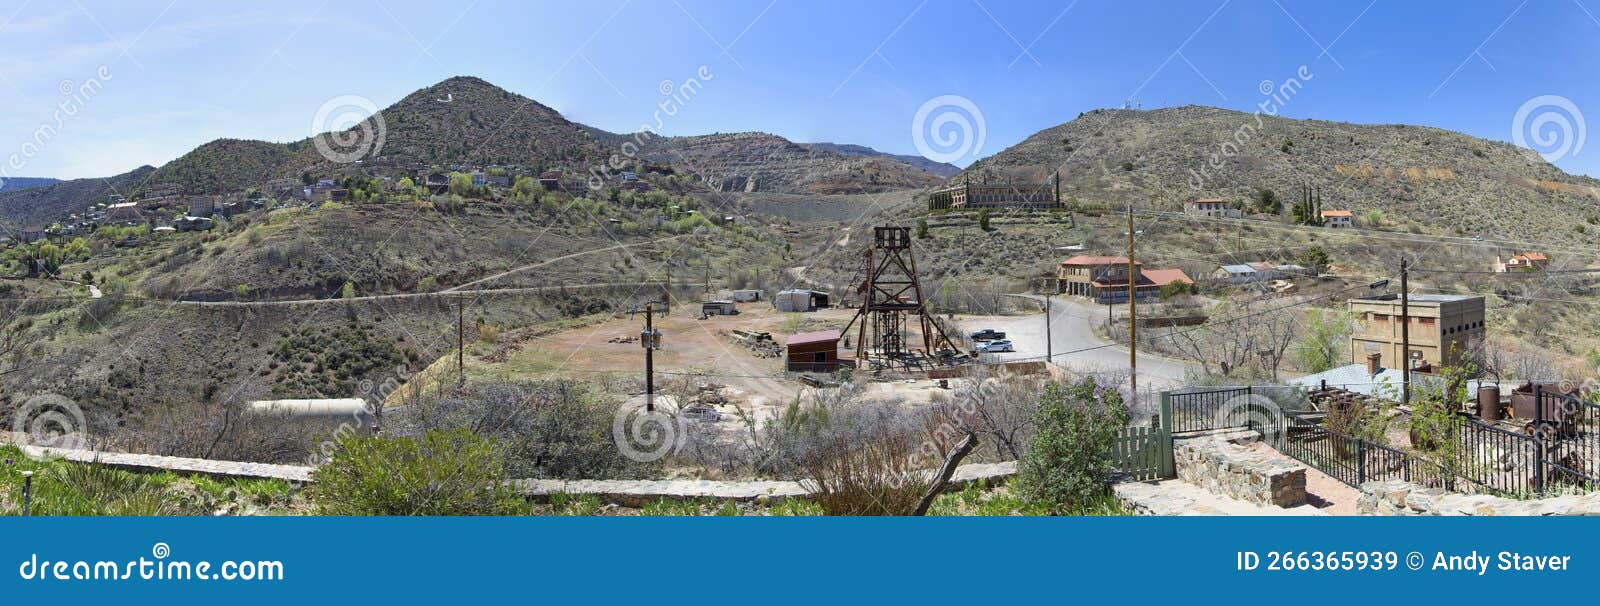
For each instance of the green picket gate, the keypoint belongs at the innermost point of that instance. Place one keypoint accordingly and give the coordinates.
(1145, 453)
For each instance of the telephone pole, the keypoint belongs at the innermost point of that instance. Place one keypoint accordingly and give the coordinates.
(649, 339)
(1049, 351)
(1405, 332)
(1133, 318)
(461, 343)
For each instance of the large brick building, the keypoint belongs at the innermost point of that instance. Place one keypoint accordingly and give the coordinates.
(1442, 328)
(967, 194)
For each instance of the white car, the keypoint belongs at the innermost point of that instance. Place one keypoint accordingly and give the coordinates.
(997, 347)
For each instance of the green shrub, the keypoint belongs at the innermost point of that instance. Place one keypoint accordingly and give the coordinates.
(1068, 464)
(442, 473)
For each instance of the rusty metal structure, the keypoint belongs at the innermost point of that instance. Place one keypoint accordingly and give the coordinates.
(891, 300)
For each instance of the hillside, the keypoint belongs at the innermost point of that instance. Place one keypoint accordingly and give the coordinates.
(42, 205)
(1420, 178)
(20, 183)
(762, 162)
(225, 165)
(942, 169)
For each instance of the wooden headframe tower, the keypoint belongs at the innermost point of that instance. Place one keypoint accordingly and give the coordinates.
(891, 299)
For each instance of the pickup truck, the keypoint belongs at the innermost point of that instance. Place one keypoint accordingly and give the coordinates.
(988, 334)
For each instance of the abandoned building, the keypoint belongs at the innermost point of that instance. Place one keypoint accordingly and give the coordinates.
(1442, 327)
(1006, 195)
(813, 351)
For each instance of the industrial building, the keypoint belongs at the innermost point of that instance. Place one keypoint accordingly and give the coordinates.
(718, 308)
(1442, 327)
(798, 299)
(1004, 195)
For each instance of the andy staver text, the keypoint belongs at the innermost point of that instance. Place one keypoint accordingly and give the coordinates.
(1505, 560)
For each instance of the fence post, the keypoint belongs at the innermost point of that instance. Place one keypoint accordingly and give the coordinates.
(1165, 411)
(1361, 462)
(1168, 468)
(1538, 439)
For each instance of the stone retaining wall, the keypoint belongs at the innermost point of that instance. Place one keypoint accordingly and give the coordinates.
(1397, 498)
(632, 493)
(1231, 470)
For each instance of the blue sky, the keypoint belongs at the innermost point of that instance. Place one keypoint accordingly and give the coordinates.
(174, 75)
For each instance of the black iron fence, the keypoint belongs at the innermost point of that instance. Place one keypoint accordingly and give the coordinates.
(1207, 409)
(1351, 460)
(1557, 449)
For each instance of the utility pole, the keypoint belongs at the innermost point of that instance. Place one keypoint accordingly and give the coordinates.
(1133, 318)
(1405, 332)
(1049, 351)
(461, 343)
(649, 339)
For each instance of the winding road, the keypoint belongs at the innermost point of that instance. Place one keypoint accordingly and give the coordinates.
(1075, 345)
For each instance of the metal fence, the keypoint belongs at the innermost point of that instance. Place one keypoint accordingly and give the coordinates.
(1207, 409)
(1570, 440)
(1557, 449)
(1352, 461)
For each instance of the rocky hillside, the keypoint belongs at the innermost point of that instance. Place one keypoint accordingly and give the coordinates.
(942, 169)
(1420, 178)
(225, 165)
(42, 205)
(762, 162)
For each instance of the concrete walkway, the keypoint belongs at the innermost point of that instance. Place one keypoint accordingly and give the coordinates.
(1180, 498)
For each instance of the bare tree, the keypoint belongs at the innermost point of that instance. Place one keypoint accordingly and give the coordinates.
(1240, 339)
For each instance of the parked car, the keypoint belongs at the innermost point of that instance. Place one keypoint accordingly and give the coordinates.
(702, 413)
(997, 347)
(988, 334)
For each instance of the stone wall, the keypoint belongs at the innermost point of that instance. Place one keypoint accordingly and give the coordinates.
(620, 492)
(1239, 472)
(1397, 498)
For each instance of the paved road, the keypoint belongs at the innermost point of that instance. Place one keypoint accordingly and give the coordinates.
(1072, 328)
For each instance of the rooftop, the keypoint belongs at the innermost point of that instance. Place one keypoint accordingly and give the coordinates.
(807, 338)
(1163, 277)
(1096, 260)
(1337, 213)
(1420, 298)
